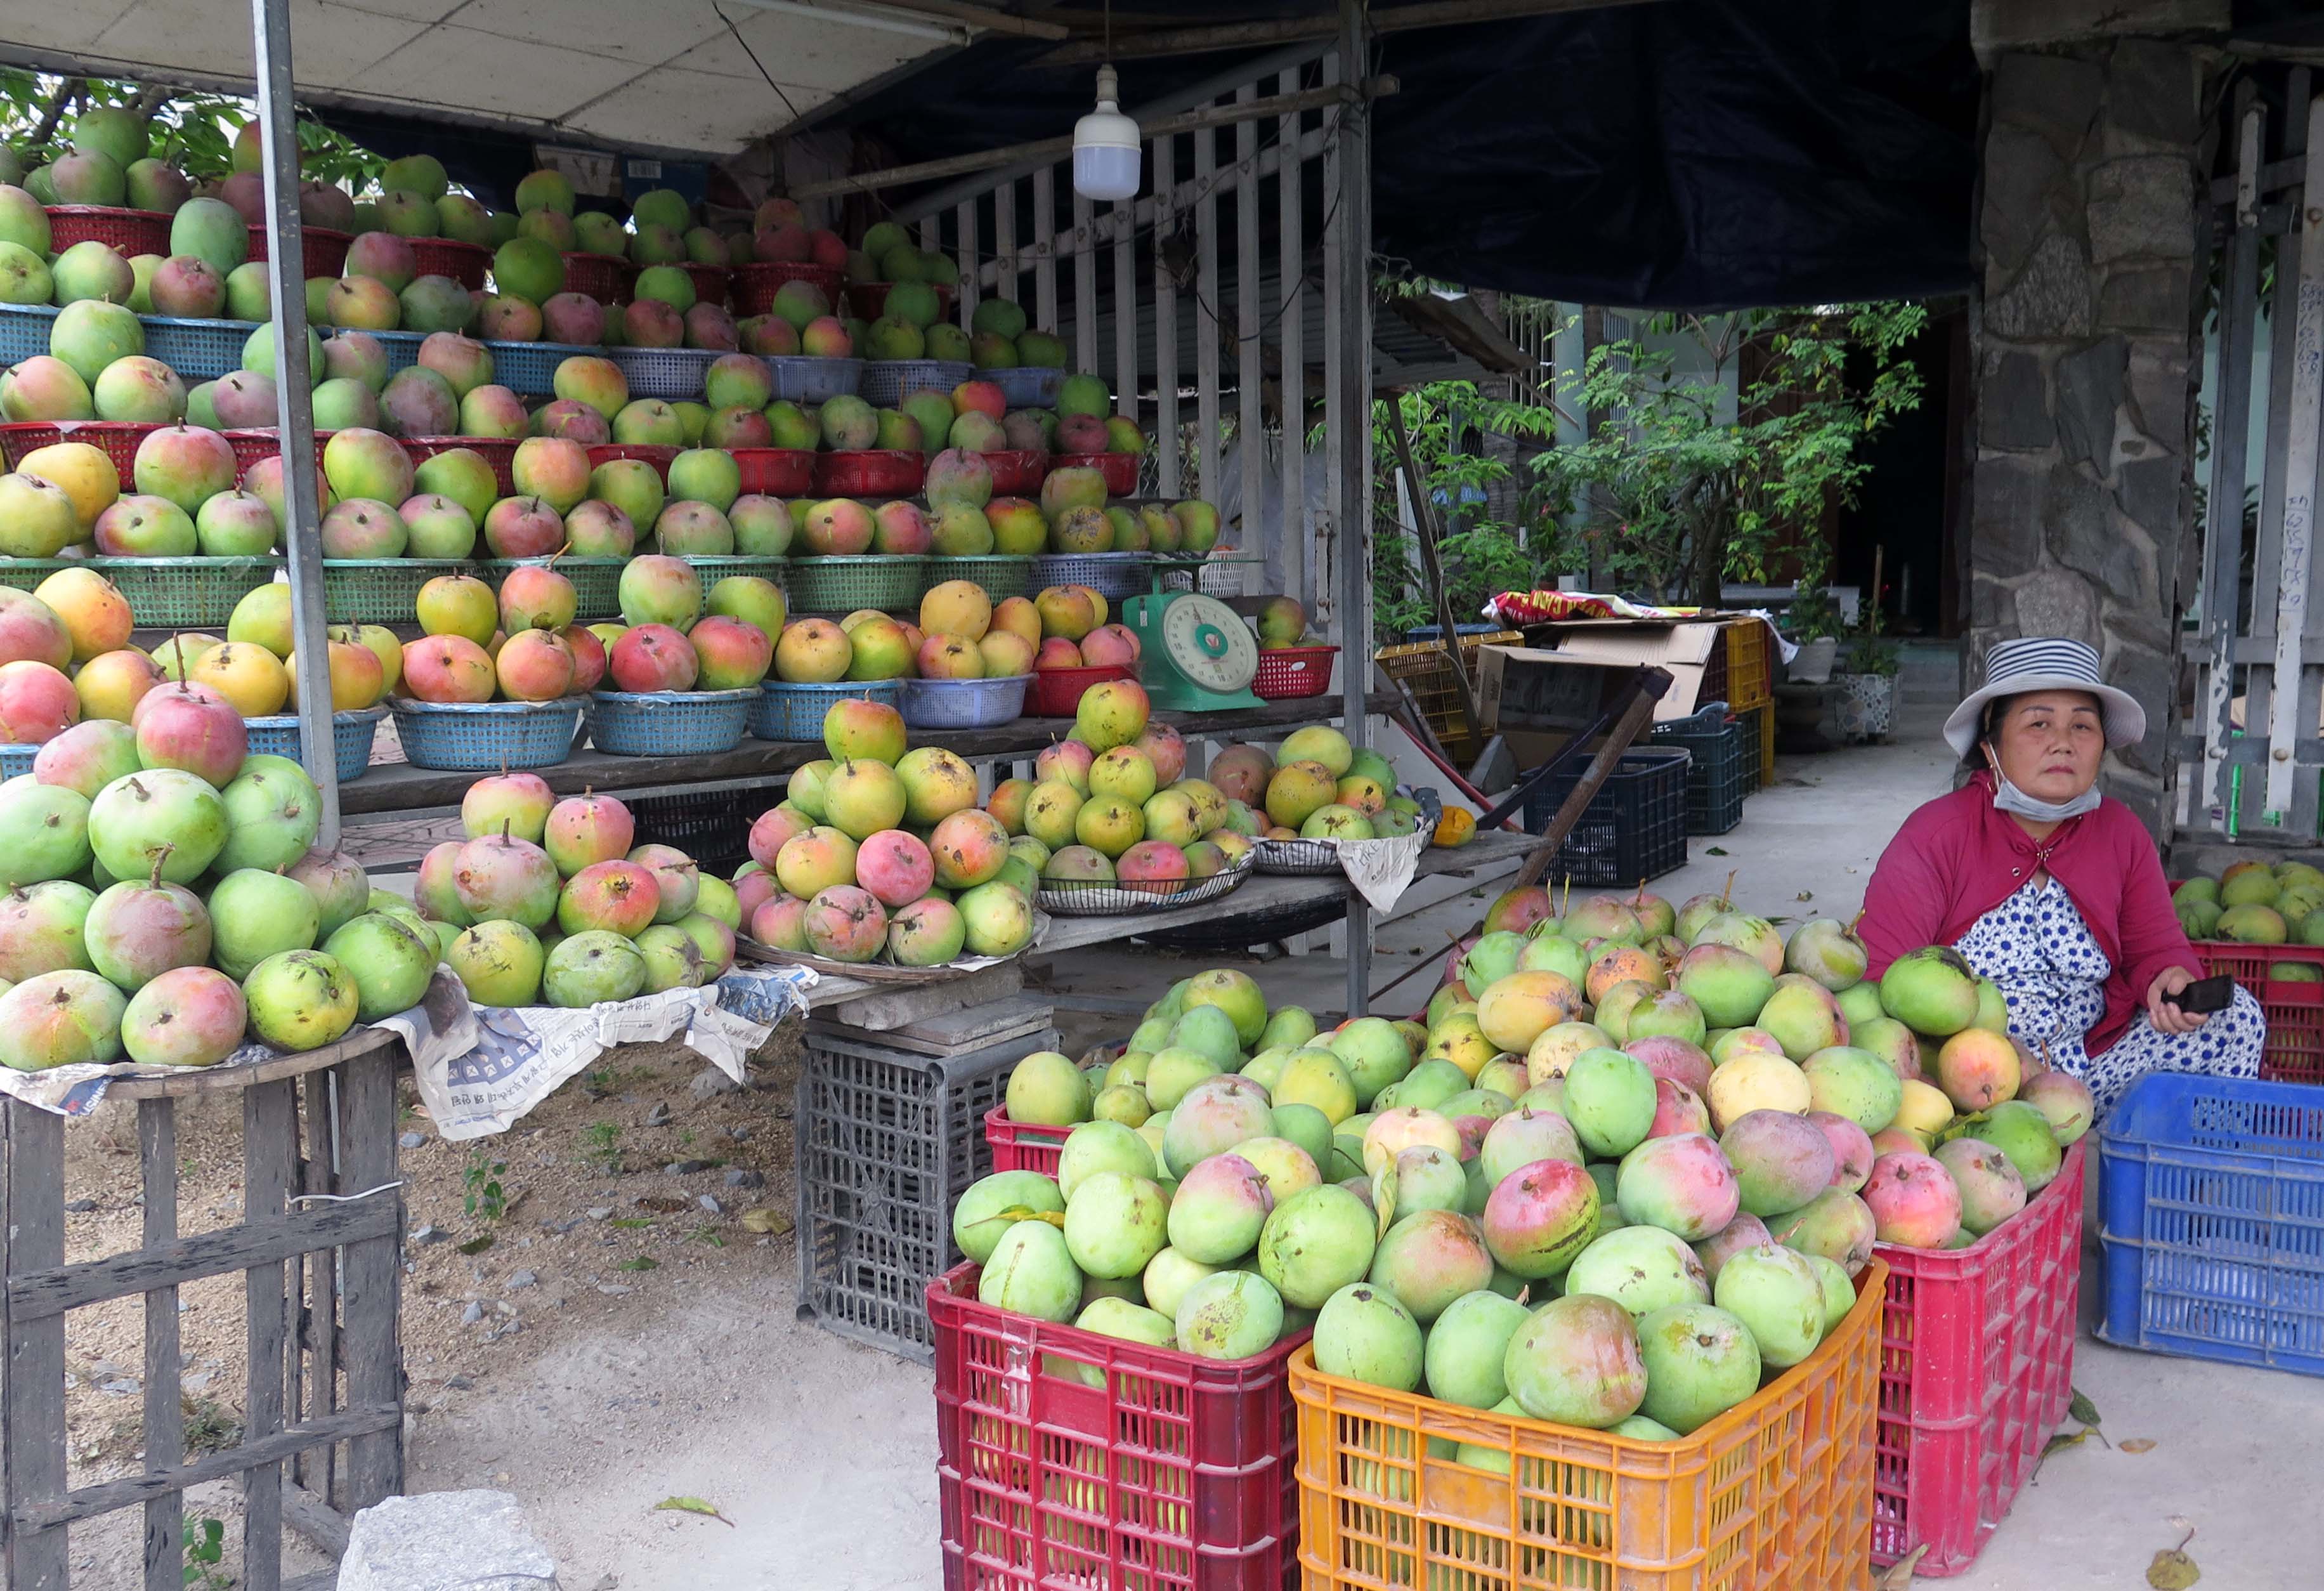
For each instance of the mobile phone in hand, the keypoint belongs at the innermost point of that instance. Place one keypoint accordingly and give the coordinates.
(2205, 996)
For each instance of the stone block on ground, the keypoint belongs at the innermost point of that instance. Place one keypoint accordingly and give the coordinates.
(442, 1540)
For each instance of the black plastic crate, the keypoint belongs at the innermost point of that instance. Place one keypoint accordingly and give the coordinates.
(711, 826)
(887, 1142)
(1634, 828)
(1755, 743)
(1713, 743)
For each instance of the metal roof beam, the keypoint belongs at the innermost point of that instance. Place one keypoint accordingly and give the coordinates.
(1249, 35)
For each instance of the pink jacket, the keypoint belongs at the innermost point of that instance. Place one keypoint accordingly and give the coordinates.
(1958, 857)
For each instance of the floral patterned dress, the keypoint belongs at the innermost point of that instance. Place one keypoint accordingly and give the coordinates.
(2036, 947)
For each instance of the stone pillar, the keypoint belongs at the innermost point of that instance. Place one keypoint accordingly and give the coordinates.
(2087, 356)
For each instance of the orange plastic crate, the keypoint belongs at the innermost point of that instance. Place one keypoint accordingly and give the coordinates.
(1775, 1494)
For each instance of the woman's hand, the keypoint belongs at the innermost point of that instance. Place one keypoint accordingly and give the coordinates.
(2161, 1011)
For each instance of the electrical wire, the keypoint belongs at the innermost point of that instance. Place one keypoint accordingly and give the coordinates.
(720, 12)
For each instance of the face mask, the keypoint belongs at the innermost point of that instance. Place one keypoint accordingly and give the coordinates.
(2008, 798)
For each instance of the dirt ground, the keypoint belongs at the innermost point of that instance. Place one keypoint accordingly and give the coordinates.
(577, 1226)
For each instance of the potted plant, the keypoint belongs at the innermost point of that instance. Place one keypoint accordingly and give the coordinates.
(1811, 620)
(1866, 673)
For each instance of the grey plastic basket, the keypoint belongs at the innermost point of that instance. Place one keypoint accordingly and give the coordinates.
(888, 382)
(965, 704)
(1027, 386)
(673, 375)
(1112, 575)
(477, 737)
(529, 369)
(669, 723)
(803, 379)
(1106, 898)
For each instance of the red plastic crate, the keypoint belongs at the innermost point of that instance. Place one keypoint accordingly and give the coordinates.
(1288, 671)
(464, 262)
(1119, 469)
(118, 439)
(870, 472)
(711, 283)
(250, 446)
(1977, 1367)
(607, 278)
(1017, 472)
(322, 251)
(129, 232)
(1023, 1147)
(1173, 1473)
(500, 452)
(657, 454)
(2294, 1008)
(1056, 693)
(869, 300)
(752, 288)
(777, 472)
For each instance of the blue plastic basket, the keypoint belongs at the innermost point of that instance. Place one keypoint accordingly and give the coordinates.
(1027, 386)
(529, 369)
(1112, 575)
(804, 379)
(670, 723)
(351, 738)
(402, 346)
(2213, 1191)
(25, 330)
(888, 382)
(965, 704)
(478, 738)
(673, 375)
(17, 759)
(795, 712)
(198, 351)
(596, 581)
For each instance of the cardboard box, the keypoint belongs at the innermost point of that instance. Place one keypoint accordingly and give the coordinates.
(1683, 648)
(1538, 699)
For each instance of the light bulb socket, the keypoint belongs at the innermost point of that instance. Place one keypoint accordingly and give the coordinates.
(1107, 146)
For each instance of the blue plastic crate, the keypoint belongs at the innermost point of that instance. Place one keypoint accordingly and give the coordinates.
(402, 347)
(802, 378)
(351, 738)
(965, 704)
(480, 737)
(25, 330)
(529, 369)
(795, 712)
(669, 723)
(198, 351)
(2213, 1193)
(17, 759)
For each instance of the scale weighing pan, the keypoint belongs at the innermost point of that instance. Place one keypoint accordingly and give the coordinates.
(1199, 655)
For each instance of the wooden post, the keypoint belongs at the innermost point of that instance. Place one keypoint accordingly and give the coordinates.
(1165, 316)
(270, 1137)
(1206, 315)
(1045, 249)
(165, 1425)
(1251, 423)
(1424, 521)
(1299, 571)
(1351, 444)
(370, 1345)
(1084, 284)
(34, 1386)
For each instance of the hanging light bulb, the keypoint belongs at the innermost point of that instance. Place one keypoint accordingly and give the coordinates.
(1106, 146)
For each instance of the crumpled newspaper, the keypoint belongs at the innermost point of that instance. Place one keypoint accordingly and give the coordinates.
(1383, 869)
(523, 1054)
(442, 1024)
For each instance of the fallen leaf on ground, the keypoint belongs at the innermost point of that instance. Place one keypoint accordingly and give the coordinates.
(1714, 851)
(693, 1506)
(2138, 1444)
(1898, 1575)
(2172, 1571)
(2083, 1410)
(764, 1220)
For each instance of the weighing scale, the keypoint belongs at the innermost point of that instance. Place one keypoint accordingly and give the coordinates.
(1199, 655)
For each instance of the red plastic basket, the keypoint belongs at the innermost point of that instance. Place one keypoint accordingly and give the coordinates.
(1065, 1457)
(2295, 1009)
(1119, 469)
(1023, 1147)
(606, 278)
(1017, 472)
(1288, 671)
(711, 283)
(117, 438)
(322, 251)
(464, 262)
(1056, 693)
(500, 452)
(869, 300)
(657, 454)
(1976, 1366)
(753, 287)
(250, 446)
(131, 232)
(777, 472)
(870, 472)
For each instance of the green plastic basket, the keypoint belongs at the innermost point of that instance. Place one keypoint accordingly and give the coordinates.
(1001, 574)
(596, 582)
(711, 569)
(180, 591)
(886, 581)
(380, 590)
(23, 574)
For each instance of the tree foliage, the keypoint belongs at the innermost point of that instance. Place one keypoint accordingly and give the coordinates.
(193, 130)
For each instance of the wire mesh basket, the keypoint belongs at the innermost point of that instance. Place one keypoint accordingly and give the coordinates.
(198, 351)
(673, 375)
(965, 704)
(802, 378)
(752, 288)
(660, 454)
(607, 278)
(25, 330)
(888, 382)
(529, 369)
(1028, 387)
(711, 283)
(842, 583)
(500, 452)
(1112, 575)
(352, 733)
(130, 233)
(250, 447)
(1000, 574)
(117, 440)
(379, 590)
(1105, 897)
(596, 581)
(786, 711)
(464, 262)
(322, 250)
(1302, 858)
(479, 736)
(669, 723)
(180, 591)
(1288, 672)
(713, 568)
(25, 573)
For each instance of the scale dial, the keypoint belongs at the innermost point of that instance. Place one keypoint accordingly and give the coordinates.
(1209, 644)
